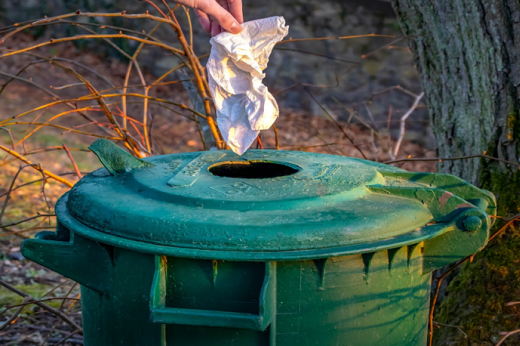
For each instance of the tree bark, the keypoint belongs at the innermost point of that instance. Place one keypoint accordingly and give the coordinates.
(468, 55)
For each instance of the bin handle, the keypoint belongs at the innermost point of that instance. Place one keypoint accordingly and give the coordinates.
(116, 160)
(466, 234)
(83, 260)
(159, 313)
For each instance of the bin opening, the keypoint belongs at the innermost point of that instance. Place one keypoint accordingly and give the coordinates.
(251, 169)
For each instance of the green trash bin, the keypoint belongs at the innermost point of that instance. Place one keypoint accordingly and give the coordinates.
(269, 248)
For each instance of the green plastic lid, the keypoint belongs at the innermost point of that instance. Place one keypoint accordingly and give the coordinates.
(265, 204)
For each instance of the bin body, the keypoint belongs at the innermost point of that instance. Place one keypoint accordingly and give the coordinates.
(331, 302)
(323, 251)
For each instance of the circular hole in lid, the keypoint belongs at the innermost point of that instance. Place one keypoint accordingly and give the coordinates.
(252, 169)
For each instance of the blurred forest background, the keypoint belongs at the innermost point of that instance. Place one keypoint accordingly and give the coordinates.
(355, 92)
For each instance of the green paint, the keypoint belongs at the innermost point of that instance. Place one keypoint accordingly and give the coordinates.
(115, 159)
(272, 247)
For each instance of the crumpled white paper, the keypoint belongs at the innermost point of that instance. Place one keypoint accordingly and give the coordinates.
(244, 105)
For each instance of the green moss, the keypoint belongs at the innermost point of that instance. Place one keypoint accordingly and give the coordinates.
(477, 298)
(510, 125)
(35, 290)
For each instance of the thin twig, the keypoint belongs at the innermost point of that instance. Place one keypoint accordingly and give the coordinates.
(452, 326)
(188, 17)
(374, 146)
(389, 138)
(508, 223)
(67, 296)
(455, 266)
(337, 124)
(436, 296)
(30, 301)
(56, 312)
(10, 136)
(78, 173)
(371, 116)
(95, 97)
(440, 159)
(133, 62)
(336, 38)
(106, 26)
(276, 137)
(14, 315)
(354, 114)
(66, 129)
(67, 338)
(507, 336)
(403, 122)
(83, 37)
(26, 136)
(296, 147)
(198, 72)
(512, 303)
(26, 219)
(86, 14)
(259, 142)
(97, 74)
(44, 182)
(23, 159)
(48, 92)
(10, 190)
(396, 87)
(56, 287)
(364, 56)
(20, 232)
(320, 55)
(66, 69)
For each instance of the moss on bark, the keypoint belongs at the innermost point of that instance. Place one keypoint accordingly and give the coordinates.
(477, 298)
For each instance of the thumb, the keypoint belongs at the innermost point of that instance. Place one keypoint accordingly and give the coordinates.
(223, 17)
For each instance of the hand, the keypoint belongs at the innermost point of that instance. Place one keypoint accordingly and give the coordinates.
(217, 16)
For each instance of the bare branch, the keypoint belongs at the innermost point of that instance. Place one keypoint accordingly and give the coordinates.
(276, 137)
(23, 159)
(56, 312)
(86, 14)
(512, 303)
(403, 122)
(82, 37)
(396, 87)
(337, 124)
(27, 219)
(440, 159)
(78, 173)
(13, 317)
(8, 197)
(10, 136)
(452, 326)
(337, 38)
(507, 336)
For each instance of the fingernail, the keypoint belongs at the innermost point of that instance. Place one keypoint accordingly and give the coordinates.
(235, 28)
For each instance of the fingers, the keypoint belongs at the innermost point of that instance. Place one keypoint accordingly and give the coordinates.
(223, 17)
(215, 28)
(235, 8)
(224, 5)
(204, 21)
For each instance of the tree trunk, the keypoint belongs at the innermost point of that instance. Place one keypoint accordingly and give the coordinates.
(468, 55)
